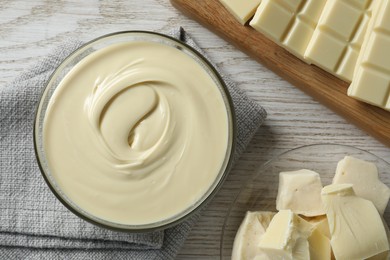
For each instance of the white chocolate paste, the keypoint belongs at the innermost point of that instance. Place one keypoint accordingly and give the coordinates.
(136, 133)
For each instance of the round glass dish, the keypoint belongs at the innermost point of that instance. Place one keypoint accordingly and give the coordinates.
(79, 55)
(259, 193)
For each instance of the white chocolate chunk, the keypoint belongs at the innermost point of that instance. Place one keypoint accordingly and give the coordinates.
(301, 249)
(288, 23)
(319, 223)
(385, 255)
(246, 242)
(319, 246)
(356, 227)
(381, 256)
(300, 191)
(339, 35)
(364, 177)
(286, 237)
(242, 10)
(371, 82)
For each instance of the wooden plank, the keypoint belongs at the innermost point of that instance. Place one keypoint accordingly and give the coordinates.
(321, 85)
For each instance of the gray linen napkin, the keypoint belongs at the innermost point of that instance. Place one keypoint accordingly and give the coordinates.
(33, 223)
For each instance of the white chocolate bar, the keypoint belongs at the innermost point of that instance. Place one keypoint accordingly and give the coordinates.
(339, 35)
(242, 10)
(288, 23)
(371, 82)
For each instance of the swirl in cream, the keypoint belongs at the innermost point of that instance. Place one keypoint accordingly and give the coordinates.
(147, 132)
(136, 133)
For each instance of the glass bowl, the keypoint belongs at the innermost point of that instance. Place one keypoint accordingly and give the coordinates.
(79, 55)
(259, 193)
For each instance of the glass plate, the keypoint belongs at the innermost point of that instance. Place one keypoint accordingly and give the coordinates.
(259, 193)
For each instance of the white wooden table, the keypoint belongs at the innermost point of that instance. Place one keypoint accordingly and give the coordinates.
(30, 29)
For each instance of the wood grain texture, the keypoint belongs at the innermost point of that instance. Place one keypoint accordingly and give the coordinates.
(321, 85)
(29, 30)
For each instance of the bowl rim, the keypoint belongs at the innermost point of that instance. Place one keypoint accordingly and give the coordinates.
(265, 164)
(213, 189)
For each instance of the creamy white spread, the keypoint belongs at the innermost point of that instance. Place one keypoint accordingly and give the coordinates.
(136, 133)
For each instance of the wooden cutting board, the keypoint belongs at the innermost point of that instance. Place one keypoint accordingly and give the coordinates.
(319, 84)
